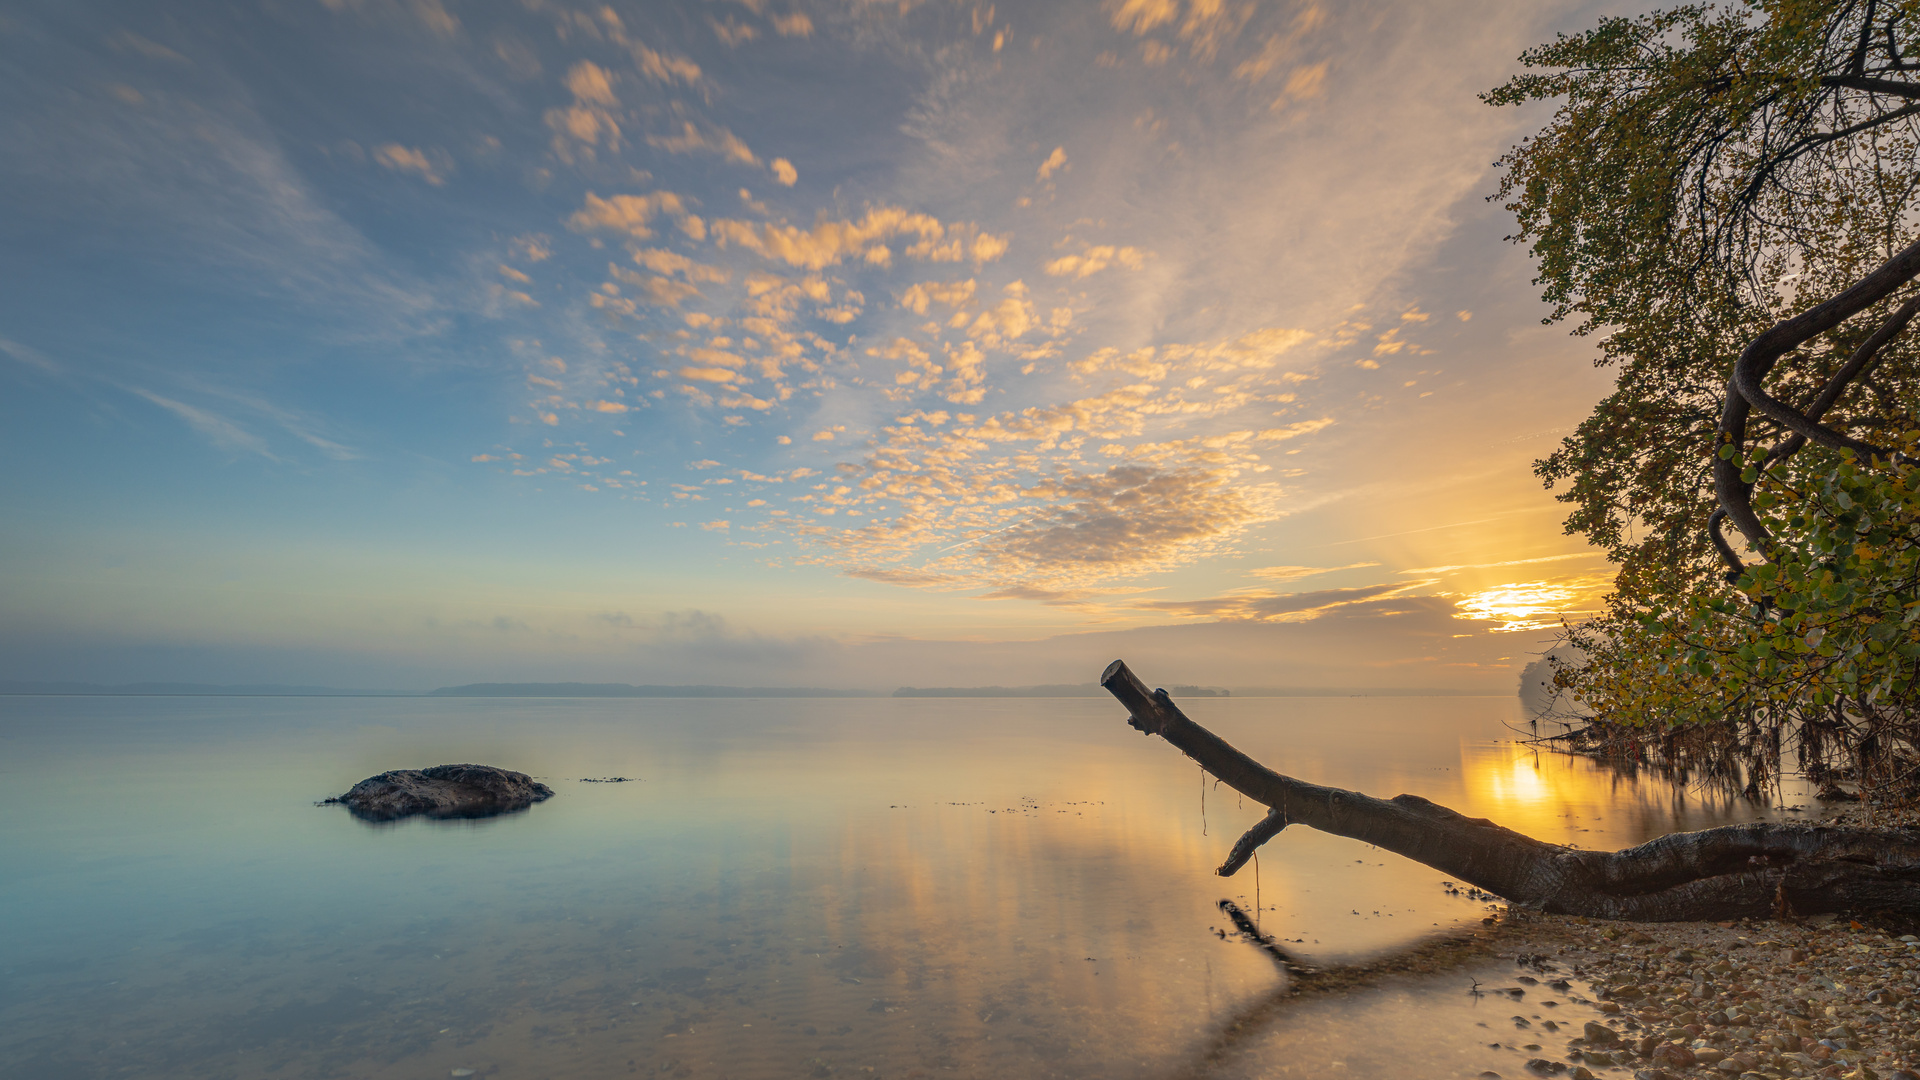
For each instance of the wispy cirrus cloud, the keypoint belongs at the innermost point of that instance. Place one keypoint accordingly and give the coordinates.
(1591, 555)
(1295, 573)
(1264, 606)
(222, 431)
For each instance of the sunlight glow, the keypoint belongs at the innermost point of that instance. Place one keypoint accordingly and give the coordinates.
(1521, 605)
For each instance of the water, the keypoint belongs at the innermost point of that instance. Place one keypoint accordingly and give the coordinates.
(806, 888)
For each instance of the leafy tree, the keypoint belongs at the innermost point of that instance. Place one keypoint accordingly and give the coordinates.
(1720, 182)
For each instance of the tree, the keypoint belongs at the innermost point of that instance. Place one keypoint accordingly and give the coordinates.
(1725, 199)
(1759, 870)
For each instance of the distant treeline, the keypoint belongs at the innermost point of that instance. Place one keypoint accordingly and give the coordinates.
(181, 689)
(1050, 690)
(575, 689)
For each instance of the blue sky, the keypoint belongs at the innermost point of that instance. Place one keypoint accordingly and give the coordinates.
(404, 342)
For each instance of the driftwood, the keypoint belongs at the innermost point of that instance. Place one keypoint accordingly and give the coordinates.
(1738, 871)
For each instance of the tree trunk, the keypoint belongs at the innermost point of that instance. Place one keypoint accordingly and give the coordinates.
(1737, 871)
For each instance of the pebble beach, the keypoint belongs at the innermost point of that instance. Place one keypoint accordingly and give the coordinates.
(1754, 999)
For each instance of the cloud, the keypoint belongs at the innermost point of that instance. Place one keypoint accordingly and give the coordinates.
(1260, 605)
(532, 247)
(1055, 161)
(784, 172)
(409, 160)
(591, 83)
(1095, 259)
(126, 40)
(1204, 24)
(1126, 521)
(665, 67)
(630, 214)
(952, 294)
(1507, 562)
(1295, 573)
(910, 578)
(830, 242)
(731, 32)
(796, 24)
(29, 356)
(220, 430)
(717, 141)
(1294, 431)
(662, 261)
(1303, 84)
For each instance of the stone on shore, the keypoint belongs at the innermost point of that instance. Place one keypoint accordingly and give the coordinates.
(444, 791)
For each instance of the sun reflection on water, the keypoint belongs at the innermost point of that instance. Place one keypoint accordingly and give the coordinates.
(1577, 801)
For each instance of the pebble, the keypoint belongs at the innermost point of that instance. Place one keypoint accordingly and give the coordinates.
(1820, 999)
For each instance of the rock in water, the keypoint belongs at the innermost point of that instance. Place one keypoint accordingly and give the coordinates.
(444, 791)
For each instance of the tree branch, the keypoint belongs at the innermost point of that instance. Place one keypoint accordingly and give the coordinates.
(1730, 872)
(1891, 87)
(1745, 390)
(1862, 361)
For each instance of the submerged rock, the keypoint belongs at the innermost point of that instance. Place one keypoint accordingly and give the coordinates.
(444, 791)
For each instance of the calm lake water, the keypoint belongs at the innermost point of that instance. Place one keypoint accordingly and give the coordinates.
(788, 888)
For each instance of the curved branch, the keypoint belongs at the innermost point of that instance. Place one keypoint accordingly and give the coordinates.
(1735, 565)
(1263, 830)
(1857, 366)
(1745, 391)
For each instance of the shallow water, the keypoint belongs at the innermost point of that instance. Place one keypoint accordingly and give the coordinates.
(804, 888)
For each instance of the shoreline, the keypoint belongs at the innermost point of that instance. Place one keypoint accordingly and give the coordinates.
(1758, 999)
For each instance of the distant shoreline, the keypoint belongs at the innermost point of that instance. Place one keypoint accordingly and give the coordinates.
(21, 688)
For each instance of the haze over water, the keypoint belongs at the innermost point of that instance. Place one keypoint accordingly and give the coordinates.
(837, 887)
(798, 343)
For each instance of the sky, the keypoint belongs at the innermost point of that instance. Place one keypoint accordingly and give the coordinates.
(405, 343)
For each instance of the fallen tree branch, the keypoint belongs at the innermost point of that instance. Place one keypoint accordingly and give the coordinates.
(1757, 870)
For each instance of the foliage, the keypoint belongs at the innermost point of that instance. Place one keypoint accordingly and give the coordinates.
(1688, 192)
(1827, 632)
(1710, 170)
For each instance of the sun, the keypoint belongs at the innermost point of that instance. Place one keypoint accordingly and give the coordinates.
(1521, 605)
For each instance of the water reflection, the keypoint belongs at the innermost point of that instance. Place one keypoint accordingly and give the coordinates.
(790, 888)
(1578, 801)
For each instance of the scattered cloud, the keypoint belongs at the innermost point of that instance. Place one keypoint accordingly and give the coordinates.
(591, 84)
(430, 166)
(633, 215)
(1507, 562)
(1263, 606)
(691, 139)
(830, 242)
(1095, 259)
(1280, 574)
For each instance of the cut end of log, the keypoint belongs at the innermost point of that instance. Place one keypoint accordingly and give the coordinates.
(1144, 711)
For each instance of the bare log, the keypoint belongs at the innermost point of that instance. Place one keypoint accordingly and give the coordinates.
(1738, 871)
